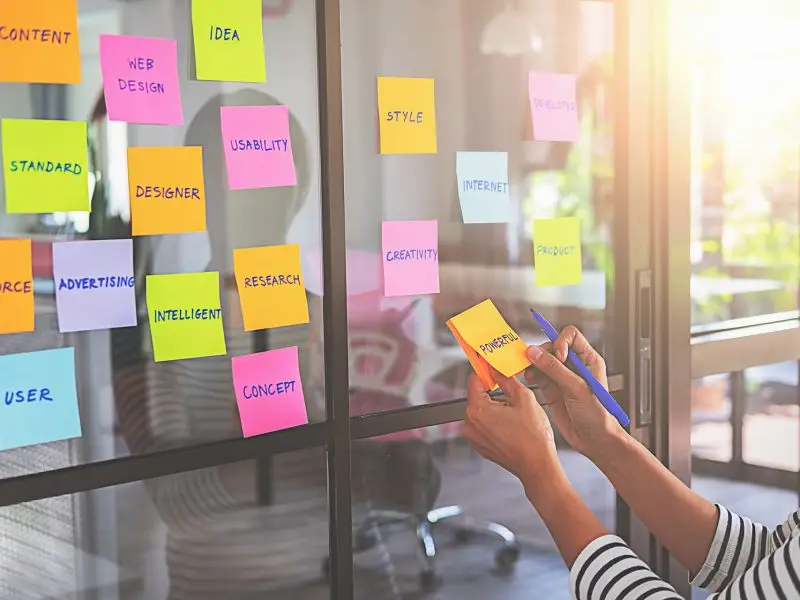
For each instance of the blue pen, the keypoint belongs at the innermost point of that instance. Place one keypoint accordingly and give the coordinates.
(597, 388)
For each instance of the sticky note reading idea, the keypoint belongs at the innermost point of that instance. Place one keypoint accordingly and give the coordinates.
(16, 286)
(483, 187)
(410, 257)
(407, 115)
(554, 108)
(557, 251)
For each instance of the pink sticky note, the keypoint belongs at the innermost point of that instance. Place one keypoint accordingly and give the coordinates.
(258, 147)
(410, 257)
(140, 79)
(554, 107)
(269, 391)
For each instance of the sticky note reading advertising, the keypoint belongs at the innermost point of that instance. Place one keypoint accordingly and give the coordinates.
(39, 41)
(16, 286)
(270, 284)
(258, 147)
(45, 166)
(140, 79)
(167, 192)
(554, 107)
(410, 257)
(269, 392)
(40, 398)
(229, 40)
(557, 251)
(483, 187)
(185, 316)
(407, 115)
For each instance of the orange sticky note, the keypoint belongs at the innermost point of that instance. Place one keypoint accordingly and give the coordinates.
(39, 41)
(480, 366)
(167, 192)
(16, 286)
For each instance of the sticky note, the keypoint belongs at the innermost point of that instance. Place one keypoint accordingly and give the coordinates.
(140, 79)
(479, 364)
(16, 286)
(407, 115)
(557, 251)
(166, 189)
(270, 284)
(39, 41)
(483, 187)
(269, 392)
(554, 107)
(410, 257)
(229, 40)
(45, 164)
(258, 147)
(40, 398)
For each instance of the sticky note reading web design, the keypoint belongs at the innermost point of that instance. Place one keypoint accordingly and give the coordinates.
(410, 257)
(407, 115)
(483, 187)
(554, 107)
(16, 286)
(45, 166)
(557, 251)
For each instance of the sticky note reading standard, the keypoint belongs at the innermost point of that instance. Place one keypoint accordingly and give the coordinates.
(16, 286)
(557, 251)
(554, 107)
(407, 115)
(410, 257)
(483, 187)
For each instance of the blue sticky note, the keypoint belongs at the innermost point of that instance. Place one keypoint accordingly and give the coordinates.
(483, 187)
(39, 398)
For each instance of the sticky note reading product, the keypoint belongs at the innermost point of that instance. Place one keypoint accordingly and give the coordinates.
(269, 392)
(407, 115)
(166, 190)
(557, 251)
(39, 41)
(554, 107)
(16, 286)
(45, 166)
(483, 187)
(229, 40)
(258, 148)
(410, 257)
(40, 398)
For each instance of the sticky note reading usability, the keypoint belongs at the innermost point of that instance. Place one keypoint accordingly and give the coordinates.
(410, 257)
(483, 187)
(557, 251)
(16, 286)
(407, 115)
(554, 108)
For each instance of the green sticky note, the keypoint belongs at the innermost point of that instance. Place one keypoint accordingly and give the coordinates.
(185, 316)
(45, 164)
(557, 251)
(228, 40)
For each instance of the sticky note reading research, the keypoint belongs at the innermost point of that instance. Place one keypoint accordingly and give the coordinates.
(16, 287)
(410, 257)
(557, 251)
(407, 115)
(483, 187)
(554, 107)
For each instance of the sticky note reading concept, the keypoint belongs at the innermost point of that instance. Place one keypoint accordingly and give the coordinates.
(40, 398)
(16, 286)
(269, 392)
(258, 148)
(554, 108)
(410, 257)
(483, 187)
(45, 166)
(557, 251)
(407, 115)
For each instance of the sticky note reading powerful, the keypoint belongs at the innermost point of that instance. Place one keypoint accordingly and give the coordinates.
(258, 148)
(407, 115)
(410, 257)
(483, 187)
(45, 166)
(16, 286)
(269, 392)
(557, 251)
(40, 398)
(39, 41)
(554, 107)
(166, 190)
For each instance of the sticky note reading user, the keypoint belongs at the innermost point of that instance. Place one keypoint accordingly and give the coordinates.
(557, 251)
(16, 286)
(554, 108)
(185, 316)
(40, 398)
(45, 166)
(407, 115)
(269, 392)
(166, 187)
(39, 41)
(410, 257)
(483, 187)
(258, 148)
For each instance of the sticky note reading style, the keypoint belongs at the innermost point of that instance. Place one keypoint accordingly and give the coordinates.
(407, 115)
(410, 257)
(483, 187)
(557, 251)
(554, 107)
(40, 398)
(16, 286)
(258, 148)
(45, 166)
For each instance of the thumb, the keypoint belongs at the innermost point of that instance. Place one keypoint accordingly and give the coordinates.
(513, 389)
(555, 370)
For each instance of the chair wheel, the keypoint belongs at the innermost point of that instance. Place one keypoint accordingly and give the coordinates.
(326, 568)
(463, 535)
(427, 579)
(506, 558)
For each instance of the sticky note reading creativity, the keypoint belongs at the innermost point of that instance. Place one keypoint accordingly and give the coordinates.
(557, 251)
(45, 166)
(483, 187)
(16, 286)
(410, 257)
(407, 115)
(554, 107)
(258, 148)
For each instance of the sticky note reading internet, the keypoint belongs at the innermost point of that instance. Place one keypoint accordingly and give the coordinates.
(483, 187)
(16, 286)
(407, 115)
(554, 107)
(557, 251)
(410, 257)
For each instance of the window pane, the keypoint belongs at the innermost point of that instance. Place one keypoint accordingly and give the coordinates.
(711, 414)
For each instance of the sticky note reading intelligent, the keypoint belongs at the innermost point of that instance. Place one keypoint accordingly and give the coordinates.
(407, 115)
(483, 187)
(45, 166)
(410, 257)
(16, 286)
(557, 251)
(554, 107)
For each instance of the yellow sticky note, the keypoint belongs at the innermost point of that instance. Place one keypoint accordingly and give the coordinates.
(270, 284)
(166, 190)
(480, 366)
(16, 286)
(185, 316)
(557, 251)
(228, 40)
(39, 41)
(407, 115)
(45, 165)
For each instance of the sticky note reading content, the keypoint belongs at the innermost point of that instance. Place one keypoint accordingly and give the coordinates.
(554, 107)
(407, 115)
(16, 286)
(557, 251)
(483, 187)
(410, 257)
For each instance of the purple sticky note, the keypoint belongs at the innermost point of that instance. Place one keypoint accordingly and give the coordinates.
(554, 108)
(269, 392)
(410, 257)
(258, 147)
(140, 79)
(94, 285)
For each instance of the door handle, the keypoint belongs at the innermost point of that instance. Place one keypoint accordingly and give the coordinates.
(644, 348)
